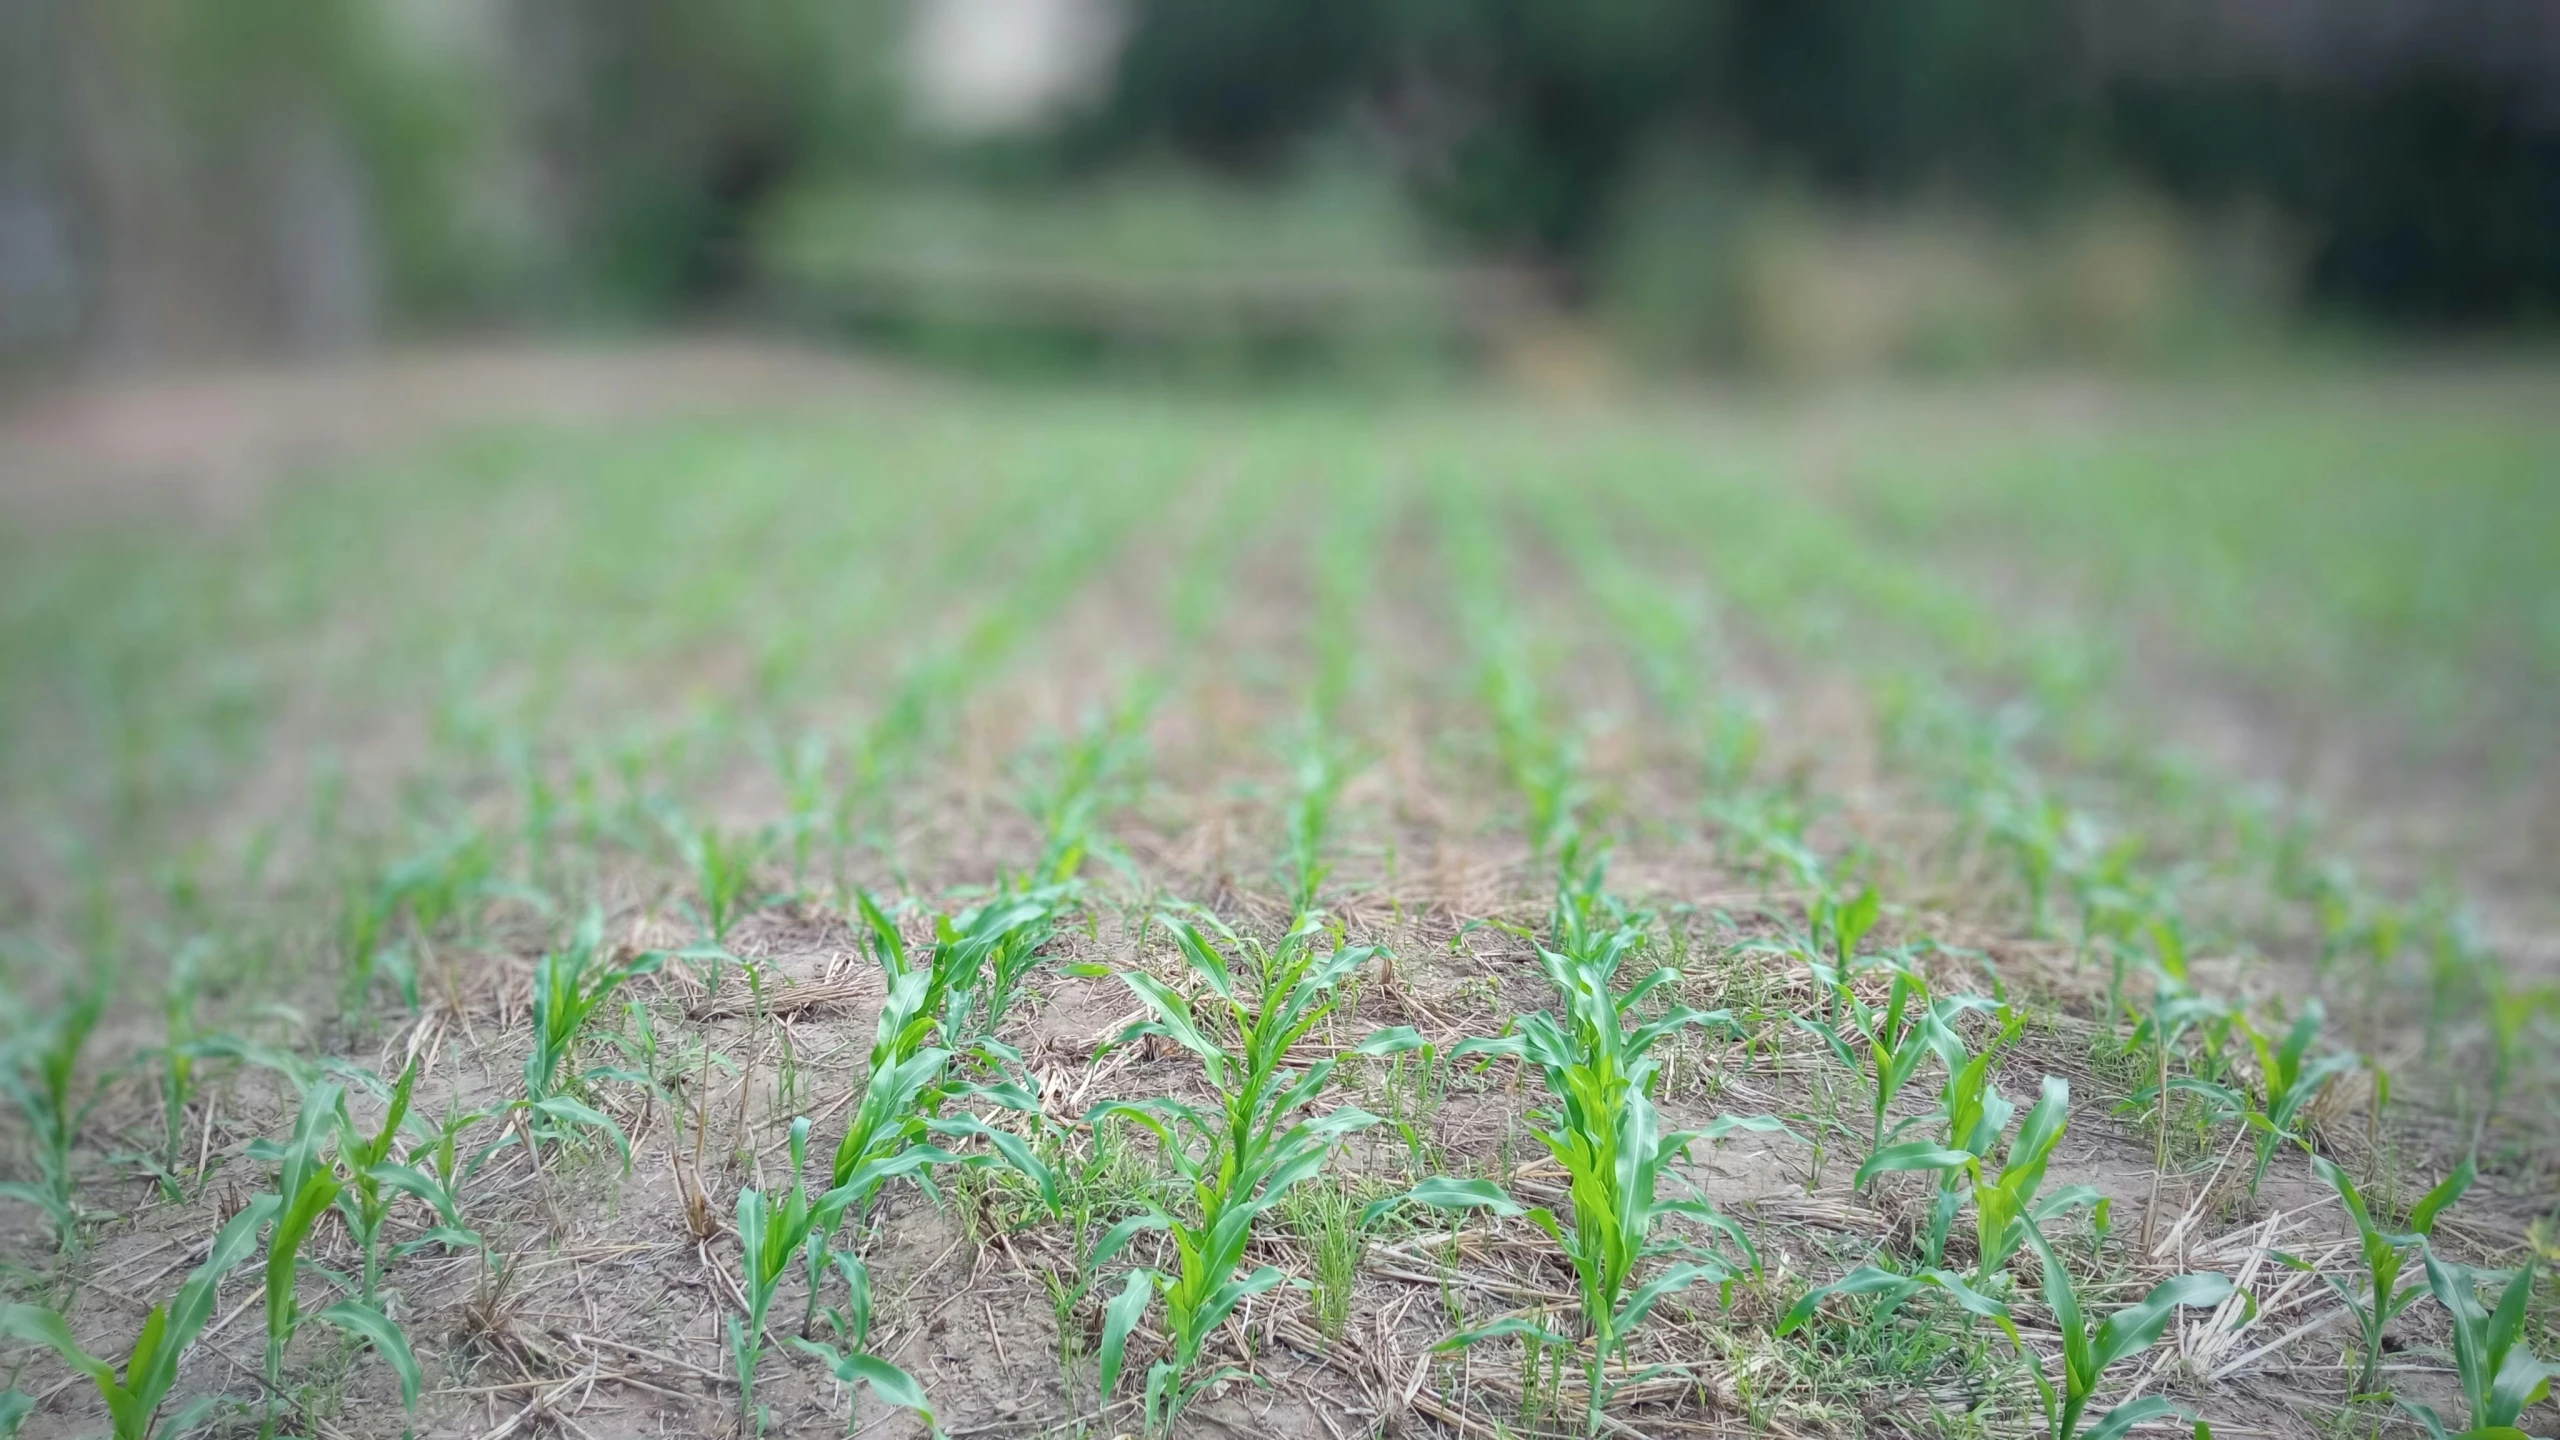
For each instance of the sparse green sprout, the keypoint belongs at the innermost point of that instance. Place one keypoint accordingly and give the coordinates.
(2383, 1298)
(2089, 1351)
(1237, 1159)
(1891, 1041)
(1316, 779)
(135, 1393)
(1975, 1114)
(374, 1179)
(178, 1060)
(569, 986)
(2289, 1079)
(2514, 1011)
(41, 1071)
(1071, 790)
(724, 869)
(2501, 1376)
(1328, 1223)
(308, 1184)
(1603, 1129)
(855, 1364)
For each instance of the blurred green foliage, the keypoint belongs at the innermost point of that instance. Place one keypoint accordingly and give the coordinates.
(587, 157)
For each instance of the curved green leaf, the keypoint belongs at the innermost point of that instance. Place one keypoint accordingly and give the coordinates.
(1118, 1319)
(375, 1328)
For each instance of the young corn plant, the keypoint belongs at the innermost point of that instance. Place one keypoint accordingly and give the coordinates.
(177, 1060)
(2089, 1351)
(376, 1178)
(2006, 1208)
(308, 1185)
(1975, 1114)
(135, 1391)
(2501, 1376)
(770, 1236)
(569, 986)
(1316, 781)
(2289, 1079)
(949, 1003)
(1238, 1158)
(2384, 1298)
(1543, 764)
(435, 1170)
(854, 1364)
(1603, 1129)
(1892, 1287)
(366, 1198)
(724, 869)
(1071, 795)
(2514, 1010)
(41, 1073)
(1890, 1043)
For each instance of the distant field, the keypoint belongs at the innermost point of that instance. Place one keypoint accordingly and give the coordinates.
(1014, 784)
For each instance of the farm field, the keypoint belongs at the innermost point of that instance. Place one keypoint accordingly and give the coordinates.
(1973, 911)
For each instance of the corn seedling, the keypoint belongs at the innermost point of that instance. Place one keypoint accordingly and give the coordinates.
(1070, 794)
(2089, 1351)
(1604, 1131)
(375, 1179)
(2501, 1376)
(435, 1172)
(854, 1364)
(40, 1073)
(1975, 1114)
(2289, 1079)
(1890, 1042)
(1764, 832)
(1892, 1287)
(957, 996)
(2034, 833)
(2455, 962)
(769, 1236)
(2384, 1299)
(2513, 1012)
(1316, 779)
(723, 877)
(569, 986)
(177, 1060)
(134, 1395)
(1237, 1160)
(308, 1185)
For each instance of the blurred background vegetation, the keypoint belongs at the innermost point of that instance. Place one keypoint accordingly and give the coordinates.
(1795, 187)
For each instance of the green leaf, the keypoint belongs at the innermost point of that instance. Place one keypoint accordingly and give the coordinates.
(2422, 1216)
(563, 1110)
(413, 1181)
(2133, 1412)
(888, 1382)
(1447, 1193)
(372, 1326)
(39, 1326)
(1119, 1235)
(1911, 1155)
(1513, 1325)
(2135, 1327)
(1394, 1040)
(1121, 1317)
